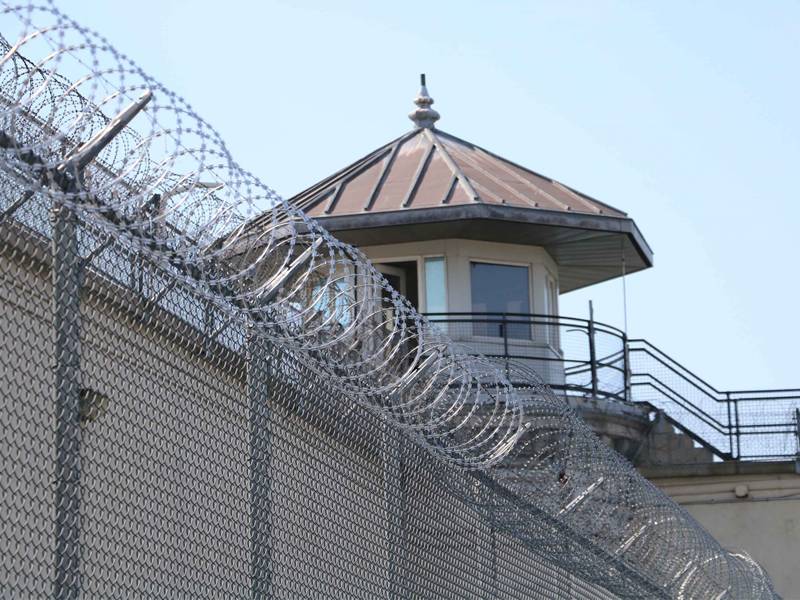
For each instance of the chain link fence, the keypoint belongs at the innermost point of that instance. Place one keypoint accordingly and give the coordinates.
(145, 456)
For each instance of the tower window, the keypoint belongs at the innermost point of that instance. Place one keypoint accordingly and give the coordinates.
(500, 290)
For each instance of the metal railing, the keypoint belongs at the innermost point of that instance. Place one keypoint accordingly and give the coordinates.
(742, 424)
(582, 357)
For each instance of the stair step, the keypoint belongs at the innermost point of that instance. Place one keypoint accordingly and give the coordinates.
(669, 444)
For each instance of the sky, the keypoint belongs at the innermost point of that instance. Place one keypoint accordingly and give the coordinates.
(683, 114)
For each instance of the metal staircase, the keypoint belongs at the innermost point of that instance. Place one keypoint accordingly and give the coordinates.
(582, 358)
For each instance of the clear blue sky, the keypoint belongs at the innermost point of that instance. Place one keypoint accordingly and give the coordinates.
(683, 114)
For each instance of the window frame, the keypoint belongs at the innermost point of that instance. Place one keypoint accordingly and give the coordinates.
(423, 283)
(504, 263)
(531, 337)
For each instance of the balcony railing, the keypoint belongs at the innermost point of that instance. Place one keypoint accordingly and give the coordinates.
(586, 358)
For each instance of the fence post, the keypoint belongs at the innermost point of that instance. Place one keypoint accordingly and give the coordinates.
(504, 326)
(592, 350)
(492, 545)
(394, 491)
(738, 431)
(626, 365)
(730, 424)
(258, 388)
(797, 429)
(66, 275)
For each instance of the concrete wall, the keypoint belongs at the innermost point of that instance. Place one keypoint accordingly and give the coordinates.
(763, 520)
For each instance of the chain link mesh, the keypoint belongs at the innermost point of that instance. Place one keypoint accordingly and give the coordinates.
(198, 402)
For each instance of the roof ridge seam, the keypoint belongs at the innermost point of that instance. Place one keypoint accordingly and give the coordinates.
(583, 201)
(422, 167)
(473, 163)
(450, 189)
(316, 193)
(507, 161)
(488, 192)
(308, 198)
(337, 192)
(463, 180)
(384, 173)
(524, 181)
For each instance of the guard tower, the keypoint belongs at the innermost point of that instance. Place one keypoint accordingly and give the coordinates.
(484, 247)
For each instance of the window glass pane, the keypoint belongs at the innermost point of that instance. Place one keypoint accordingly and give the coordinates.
(332, 300)
(435, 285)
(500, 289)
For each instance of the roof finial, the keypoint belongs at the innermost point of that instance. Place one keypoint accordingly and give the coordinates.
(424, 116)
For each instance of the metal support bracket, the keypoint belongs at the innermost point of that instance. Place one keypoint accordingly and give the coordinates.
(274, 285)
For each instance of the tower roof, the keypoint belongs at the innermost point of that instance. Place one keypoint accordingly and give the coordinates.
(428, 184)
(428, 167)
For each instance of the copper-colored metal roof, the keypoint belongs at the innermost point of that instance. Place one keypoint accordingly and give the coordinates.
(427, 168)
(428, 184)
